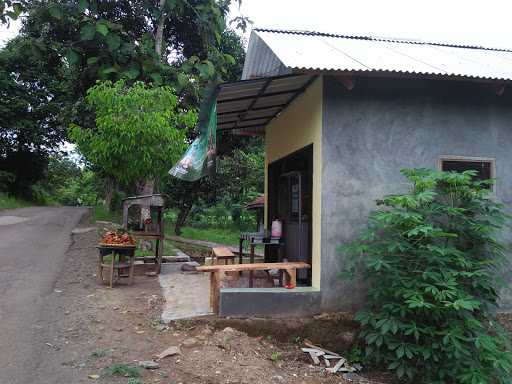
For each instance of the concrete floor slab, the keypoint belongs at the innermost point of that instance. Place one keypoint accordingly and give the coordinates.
(186, 295)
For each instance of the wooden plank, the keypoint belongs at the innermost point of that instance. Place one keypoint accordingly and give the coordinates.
(253, 267)
(338, 365)
(222, 252)
(310, 345)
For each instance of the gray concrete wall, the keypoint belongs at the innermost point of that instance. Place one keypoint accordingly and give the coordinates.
(269, 302)
(383, 125)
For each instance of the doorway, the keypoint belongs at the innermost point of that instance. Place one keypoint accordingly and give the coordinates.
(290, 198)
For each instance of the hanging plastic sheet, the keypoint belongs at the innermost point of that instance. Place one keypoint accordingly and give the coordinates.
(200, 158)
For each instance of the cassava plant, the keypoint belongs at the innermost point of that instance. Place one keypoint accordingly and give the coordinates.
(431, 258)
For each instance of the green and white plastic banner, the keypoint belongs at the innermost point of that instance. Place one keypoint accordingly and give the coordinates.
(200, 158)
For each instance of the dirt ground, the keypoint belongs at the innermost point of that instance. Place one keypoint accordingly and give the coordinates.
(96, 328)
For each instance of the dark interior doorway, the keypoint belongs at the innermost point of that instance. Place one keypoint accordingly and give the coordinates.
(290, 198)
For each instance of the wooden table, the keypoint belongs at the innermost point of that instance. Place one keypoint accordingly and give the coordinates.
(217, 273)
(223, 254)
(122, 252)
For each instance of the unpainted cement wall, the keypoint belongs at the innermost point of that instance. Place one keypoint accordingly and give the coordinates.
(384, 125)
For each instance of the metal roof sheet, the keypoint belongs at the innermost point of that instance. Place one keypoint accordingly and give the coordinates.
(300, 51)
(245, 107)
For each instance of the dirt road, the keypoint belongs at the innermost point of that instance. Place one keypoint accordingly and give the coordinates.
(33, 244)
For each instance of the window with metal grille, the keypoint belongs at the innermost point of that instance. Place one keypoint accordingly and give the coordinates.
(483, 167)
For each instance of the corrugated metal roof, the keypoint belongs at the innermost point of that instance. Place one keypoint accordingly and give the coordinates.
(275, 52)
(246, 107)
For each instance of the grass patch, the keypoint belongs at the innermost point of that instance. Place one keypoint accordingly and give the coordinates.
(8, 202)
(100, 213)
(121, 369)
(169, 250)
(99, 353)
(228, 236)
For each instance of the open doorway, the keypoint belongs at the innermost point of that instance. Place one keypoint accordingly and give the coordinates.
(290, 197)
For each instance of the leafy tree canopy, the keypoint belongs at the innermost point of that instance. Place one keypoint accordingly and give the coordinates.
(139, 130)
(34, 92)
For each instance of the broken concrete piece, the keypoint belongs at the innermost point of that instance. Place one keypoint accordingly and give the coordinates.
(190, 342)
(190, 266)
(149, 364)
(171, 351)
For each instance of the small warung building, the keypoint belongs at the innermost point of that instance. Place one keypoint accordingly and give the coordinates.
(341, 115)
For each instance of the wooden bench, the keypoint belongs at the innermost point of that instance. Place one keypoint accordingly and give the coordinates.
(217, 273)
(223, 253)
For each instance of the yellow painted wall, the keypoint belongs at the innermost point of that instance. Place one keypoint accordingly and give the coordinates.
(298, 126)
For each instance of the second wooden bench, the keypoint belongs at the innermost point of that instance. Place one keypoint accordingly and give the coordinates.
(217, 273)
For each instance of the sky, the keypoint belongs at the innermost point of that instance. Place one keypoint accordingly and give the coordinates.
(484, 22)
(473, 22)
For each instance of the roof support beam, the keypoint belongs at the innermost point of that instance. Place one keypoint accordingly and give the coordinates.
(260, 94)
(252, 110)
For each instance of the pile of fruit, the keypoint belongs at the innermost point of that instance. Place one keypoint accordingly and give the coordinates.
(117, 238)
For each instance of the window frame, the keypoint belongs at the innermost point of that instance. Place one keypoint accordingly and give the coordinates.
(469, 159)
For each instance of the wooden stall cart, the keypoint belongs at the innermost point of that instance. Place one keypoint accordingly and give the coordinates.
(147, 228)
(117, 264)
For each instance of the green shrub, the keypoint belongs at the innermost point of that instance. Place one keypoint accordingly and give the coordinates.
(431, 259)
(121, 369)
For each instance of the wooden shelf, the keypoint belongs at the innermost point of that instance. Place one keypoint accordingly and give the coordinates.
(116, 265)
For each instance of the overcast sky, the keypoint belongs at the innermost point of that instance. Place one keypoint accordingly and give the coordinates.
(483, 22)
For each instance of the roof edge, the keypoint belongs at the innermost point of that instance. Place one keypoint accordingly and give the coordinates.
(378, 38)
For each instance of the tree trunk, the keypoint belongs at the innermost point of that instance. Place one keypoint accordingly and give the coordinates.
(182, 218)
(109, 193)
(159, 35)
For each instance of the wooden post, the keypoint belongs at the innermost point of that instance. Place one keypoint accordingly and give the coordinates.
(241, 250)
(215, 279)
(132, 265)
(291, 277)
(112, 269)
(252, 262)
(100, 268)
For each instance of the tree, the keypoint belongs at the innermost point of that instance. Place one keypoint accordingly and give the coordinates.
(34, 95)
(139, 131)
(182, 43)
(432, 261)
(11, 10)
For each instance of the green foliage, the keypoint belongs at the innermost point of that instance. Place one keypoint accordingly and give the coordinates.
(121, 369)
(139, 130)
(11, 10)
(80, 190)
(100, 213)
(431, 257)
(276, 356)
(9, 202)
(99, 353)
(34, 87)
(220, 200)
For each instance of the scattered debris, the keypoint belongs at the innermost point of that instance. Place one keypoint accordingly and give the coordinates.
(52, 346)
(351, 376)
(171, 351)
(94, 377)
(161, 327)
(329, 358)
(190, 342)
(151, 273)
(149, 364)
